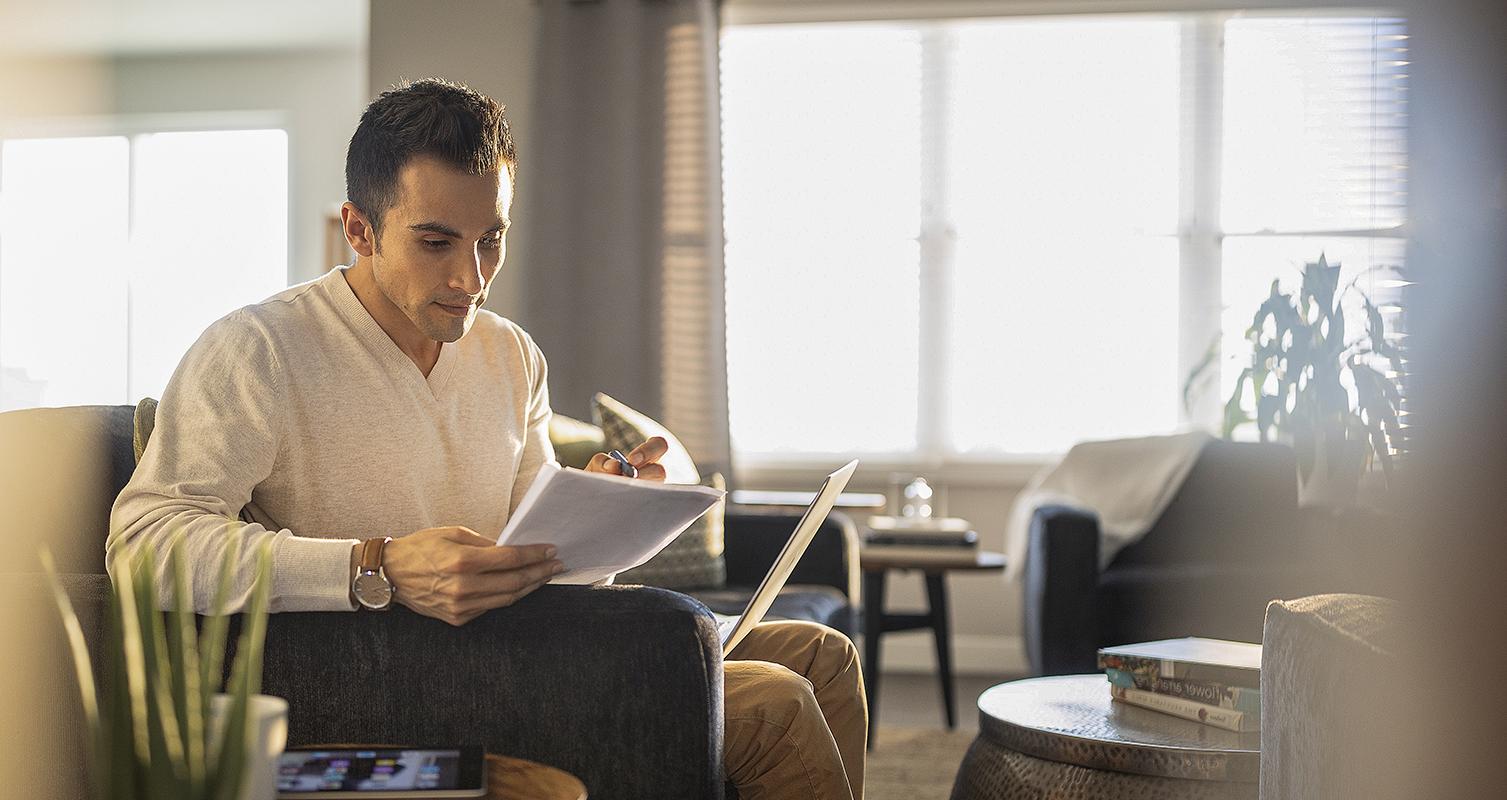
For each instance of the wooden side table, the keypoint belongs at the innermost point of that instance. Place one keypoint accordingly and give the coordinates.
(508, 778)
(876, 563)
(514, 779)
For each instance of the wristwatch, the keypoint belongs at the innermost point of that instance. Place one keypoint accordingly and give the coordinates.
(370, 586)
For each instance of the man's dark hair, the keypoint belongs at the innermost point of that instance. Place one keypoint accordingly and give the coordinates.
(434, 117)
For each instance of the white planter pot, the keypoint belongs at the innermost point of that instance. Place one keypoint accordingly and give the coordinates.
(1334, 477)
(267, 735)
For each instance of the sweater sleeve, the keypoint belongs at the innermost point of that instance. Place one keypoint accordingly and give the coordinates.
(537, 449)
(217, 436)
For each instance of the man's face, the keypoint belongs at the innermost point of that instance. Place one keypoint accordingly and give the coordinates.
(441, 245)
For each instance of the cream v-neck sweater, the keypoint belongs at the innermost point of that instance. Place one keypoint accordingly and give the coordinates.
(298, 421)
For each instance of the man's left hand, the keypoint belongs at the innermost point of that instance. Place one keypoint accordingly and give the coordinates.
(645, 458)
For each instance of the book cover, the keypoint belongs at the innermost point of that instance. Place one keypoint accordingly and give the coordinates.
(1225, 718)
(964, 539)
(1236, 698)
(1191, 658)
(943, 553)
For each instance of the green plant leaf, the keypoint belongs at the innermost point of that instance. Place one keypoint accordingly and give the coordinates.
(1376, 333)
(1378, 397)
(256, 636)
(166, 768)
(245, 680)
(1234, 412)
(1267, 406)
(212, 641)
(122, 781)
(1334, 342)
(188, 695)
(1203, 372)
(1320, 282)
(134, 662)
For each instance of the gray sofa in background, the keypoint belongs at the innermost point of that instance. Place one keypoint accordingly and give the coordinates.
(1230, 540)
(620, 685)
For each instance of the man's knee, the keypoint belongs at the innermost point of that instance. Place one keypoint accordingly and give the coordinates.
(793, 641)
(769, 692)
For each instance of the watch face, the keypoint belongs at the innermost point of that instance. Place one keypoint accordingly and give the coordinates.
(373, 590)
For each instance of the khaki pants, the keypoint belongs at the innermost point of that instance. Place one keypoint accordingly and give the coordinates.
(797, 720)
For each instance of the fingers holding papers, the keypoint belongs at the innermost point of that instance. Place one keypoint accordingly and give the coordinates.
(454, 574)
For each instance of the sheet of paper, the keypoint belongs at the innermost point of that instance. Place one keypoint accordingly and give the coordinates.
(603, 524)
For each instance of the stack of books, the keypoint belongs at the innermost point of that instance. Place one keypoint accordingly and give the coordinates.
(920, 535)
(1205, 680)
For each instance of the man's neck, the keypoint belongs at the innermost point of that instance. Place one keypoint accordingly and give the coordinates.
(421, 349)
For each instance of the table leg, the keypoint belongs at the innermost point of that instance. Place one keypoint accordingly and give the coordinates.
(936, 595)
(873, 629)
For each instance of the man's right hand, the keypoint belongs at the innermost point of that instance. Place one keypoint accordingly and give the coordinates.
(455, 574)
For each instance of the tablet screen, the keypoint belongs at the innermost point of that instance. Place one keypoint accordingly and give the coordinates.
(369, 770)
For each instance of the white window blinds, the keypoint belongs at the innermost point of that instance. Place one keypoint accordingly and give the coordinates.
(1315, 161)
(997, 236)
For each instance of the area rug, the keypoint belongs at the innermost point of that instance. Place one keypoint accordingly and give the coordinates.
(914, 763)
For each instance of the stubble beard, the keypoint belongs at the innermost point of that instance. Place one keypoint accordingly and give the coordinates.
(428, 318)
(433, 322)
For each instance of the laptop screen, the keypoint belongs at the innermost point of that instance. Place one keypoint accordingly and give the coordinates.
(790, 555)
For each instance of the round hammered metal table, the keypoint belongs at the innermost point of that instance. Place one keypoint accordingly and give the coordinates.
(1063, 738)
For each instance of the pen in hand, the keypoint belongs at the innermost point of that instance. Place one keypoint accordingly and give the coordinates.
(628, 470)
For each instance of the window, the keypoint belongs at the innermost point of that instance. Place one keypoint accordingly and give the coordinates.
(969, 239)
(116, 252)
(1314, 162)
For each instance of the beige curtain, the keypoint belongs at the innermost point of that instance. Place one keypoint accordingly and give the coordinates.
(622, 196)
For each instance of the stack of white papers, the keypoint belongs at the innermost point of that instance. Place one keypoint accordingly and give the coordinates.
(603, 524)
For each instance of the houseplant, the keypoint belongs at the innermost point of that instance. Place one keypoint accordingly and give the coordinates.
(1333, 396)
(157, 728)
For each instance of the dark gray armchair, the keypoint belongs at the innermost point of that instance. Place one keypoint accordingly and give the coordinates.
(1227, 543)
(621, 685)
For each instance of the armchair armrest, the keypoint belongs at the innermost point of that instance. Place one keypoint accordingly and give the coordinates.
(1061, 579)
(621, 686)
(754, 539)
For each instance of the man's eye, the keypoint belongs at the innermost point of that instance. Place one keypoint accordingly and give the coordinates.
(435, 244)
(492, 242)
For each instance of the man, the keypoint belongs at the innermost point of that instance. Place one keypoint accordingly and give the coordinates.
(381, 400)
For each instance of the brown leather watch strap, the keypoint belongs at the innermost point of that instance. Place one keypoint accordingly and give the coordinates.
(371, 553)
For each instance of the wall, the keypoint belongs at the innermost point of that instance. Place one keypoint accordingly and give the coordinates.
(489, 47)
(319, 95)
(36, 85)
(316, 95)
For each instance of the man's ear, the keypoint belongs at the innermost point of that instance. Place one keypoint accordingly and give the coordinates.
(359, 233)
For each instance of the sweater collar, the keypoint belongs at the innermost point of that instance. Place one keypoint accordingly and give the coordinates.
(367, 328)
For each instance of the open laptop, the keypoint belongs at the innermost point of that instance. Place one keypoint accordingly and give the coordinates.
(733, 629)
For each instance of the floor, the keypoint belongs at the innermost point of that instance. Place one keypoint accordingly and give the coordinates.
(915, 700)
(915, 757)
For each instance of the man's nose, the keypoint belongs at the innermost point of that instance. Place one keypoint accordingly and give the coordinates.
(469, 279)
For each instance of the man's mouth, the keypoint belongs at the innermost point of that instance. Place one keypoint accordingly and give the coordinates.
(459, 311)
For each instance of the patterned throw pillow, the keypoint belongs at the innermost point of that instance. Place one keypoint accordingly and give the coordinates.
(624, 429)
(695, 559)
